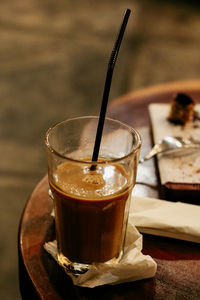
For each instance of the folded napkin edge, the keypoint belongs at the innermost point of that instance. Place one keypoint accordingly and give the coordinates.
(168, 234)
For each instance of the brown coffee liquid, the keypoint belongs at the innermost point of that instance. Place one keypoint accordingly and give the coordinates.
(90, 210)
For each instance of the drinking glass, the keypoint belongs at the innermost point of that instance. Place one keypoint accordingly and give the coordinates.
(91, 199)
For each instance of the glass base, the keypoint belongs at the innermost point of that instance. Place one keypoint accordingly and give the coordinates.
(72, 267)
(79, 268)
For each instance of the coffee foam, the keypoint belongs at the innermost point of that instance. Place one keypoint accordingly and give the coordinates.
(84, 183)
(93, 179)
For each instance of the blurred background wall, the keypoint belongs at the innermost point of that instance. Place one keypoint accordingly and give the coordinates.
(53, 61)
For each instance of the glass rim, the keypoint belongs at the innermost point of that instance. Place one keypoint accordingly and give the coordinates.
(105, 161)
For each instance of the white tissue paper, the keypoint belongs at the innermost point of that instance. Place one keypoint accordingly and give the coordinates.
(133, 265)
(164, 218)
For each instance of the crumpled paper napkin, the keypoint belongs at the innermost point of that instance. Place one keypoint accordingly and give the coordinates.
(133, 265)
(164, 218)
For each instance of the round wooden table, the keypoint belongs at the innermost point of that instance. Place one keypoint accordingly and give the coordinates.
(178, 273)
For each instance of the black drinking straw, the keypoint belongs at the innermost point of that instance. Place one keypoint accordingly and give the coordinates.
(106, 92)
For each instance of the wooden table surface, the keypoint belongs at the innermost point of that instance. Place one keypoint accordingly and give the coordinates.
(178, 273)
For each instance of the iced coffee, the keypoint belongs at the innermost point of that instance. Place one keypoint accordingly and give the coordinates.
(91, 204)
